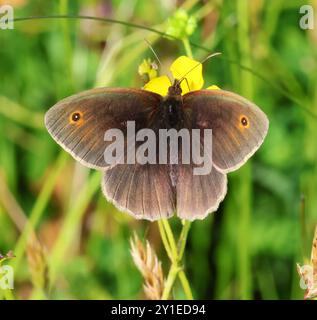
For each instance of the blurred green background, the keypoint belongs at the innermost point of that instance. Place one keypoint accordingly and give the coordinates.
(248, 249)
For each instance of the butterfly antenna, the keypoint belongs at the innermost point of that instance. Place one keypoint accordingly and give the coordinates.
(157, 58)
(155, 55)
(198, 64)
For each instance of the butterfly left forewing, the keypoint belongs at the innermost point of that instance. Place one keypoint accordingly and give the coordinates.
(79, 123)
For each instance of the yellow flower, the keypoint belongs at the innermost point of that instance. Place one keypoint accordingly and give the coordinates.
(193, 80)
(148, 68)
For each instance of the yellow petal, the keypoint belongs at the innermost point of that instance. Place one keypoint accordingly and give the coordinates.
(158, 85)
(213, 87)
(149, 68)
(194, 79)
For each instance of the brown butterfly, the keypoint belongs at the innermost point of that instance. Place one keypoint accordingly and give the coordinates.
(154, 191)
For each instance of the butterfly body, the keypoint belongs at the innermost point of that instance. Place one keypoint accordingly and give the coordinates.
(170, 112)
(154, 191)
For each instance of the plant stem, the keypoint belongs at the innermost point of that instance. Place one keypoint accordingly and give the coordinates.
(183, 238)
(170, 281)
(71, 225)
(187, 48)
(164, 240)
(171, 239)
(38, 209)
(175, 254)
(185, 283)
(245, 174)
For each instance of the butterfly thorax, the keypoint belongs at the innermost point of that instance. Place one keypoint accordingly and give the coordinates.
(172, 106)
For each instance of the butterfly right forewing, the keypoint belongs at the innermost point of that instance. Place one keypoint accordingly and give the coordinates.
(239, 126)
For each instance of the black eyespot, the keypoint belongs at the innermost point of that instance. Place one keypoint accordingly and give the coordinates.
(76, 116)
(244, 121)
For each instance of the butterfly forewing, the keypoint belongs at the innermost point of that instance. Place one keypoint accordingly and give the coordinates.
(78, 123)
(239, 126)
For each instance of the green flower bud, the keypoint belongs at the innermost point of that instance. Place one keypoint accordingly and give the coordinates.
(181, 25)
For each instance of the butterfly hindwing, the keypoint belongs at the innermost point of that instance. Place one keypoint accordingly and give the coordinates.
(144, 191)
(198, 195)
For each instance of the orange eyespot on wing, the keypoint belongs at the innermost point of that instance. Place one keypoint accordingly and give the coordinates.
(244, 122)
(76, 117)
